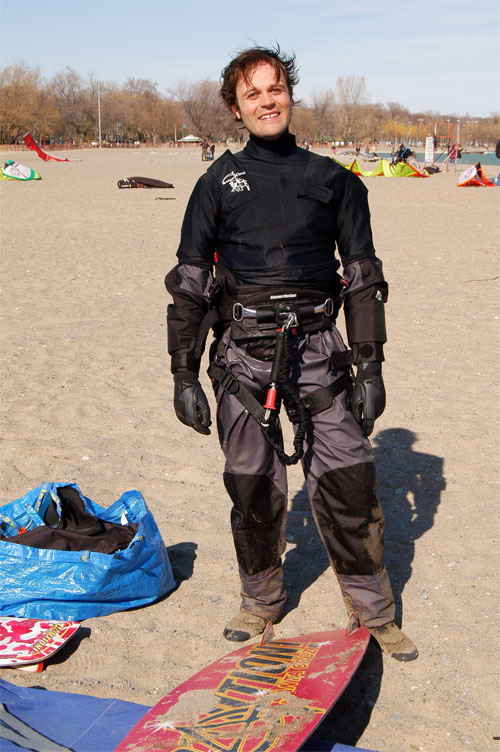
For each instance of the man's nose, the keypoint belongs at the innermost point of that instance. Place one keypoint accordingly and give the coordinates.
(267, 99)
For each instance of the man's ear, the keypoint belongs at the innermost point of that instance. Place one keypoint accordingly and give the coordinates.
(236, 111)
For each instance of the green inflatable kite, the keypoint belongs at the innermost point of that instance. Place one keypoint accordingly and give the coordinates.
(384, 167)
(15, 171)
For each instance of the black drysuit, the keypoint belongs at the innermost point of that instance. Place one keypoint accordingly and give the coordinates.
(274, 215)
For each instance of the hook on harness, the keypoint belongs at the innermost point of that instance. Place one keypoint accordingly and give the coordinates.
(287, 319)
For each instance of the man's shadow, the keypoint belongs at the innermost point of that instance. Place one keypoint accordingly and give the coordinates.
(182, 557)
(307, 561)
(303, 565)
(409, 485)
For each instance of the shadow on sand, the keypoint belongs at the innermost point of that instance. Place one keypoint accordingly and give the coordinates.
(409, 487)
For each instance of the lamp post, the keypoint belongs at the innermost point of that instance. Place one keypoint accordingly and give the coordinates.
(409, 134)
(420, 121)
(99, 113)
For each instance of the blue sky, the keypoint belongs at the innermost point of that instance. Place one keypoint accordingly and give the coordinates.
(440, 55)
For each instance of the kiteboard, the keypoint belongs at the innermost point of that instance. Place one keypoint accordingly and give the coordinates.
(260, 698)
(29, 642)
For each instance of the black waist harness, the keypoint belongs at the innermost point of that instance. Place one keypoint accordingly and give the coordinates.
(250, 310)
(281, 322)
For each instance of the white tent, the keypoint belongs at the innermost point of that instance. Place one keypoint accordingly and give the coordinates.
(189, 139)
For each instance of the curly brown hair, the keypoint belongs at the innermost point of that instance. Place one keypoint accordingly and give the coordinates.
(246, 60)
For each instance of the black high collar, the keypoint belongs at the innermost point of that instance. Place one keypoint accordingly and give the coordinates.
(261, 148)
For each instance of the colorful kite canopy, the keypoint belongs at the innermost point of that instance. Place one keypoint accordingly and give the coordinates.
(32, 144)
(474, 176)
(408, 169)
(15, 171)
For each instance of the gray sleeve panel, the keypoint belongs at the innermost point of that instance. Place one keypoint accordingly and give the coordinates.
(188, 285)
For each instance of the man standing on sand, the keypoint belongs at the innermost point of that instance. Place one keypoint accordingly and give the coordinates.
(256, 262)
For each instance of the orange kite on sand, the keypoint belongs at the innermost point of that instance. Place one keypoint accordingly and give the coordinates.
(474, 176)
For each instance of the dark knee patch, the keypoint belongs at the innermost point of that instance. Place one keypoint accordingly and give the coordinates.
(350, 518)
(256, 520)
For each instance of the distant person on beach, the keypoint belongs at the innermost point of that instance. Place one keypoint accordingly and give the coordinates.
(256, 262)
(204, 149)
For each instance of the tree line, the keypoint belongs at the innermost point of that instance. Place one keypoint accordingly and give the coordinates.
(66, 109)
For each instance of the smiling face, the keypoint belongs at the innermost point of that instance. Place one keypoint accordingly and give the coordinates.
(263, 102)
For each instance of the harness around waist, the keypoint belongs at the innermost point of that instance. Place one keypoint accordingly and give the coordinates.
(251, 310)
(249, 318)
(266, 314)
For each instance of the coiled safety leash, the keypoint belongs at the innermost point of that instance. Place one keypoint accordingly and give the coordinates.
(280, 380)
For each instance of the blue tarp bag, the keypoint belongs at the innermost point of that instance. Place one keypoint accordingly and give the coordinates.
(47, 583)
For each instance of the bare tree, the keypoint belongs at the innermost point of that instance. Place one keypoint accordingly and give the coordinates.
(25, 104)
(397, 111)
(75, 101)
(204, 108)
(303, 124)
(352, 94)
(142, 87)
(323, 109)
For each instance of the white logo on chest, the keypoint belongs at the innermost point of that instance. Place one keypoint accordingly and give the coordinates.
(236, 182)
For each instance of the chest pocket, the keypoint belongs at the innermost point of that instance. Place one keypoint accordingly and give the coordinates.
(314, 191)
(237, 199)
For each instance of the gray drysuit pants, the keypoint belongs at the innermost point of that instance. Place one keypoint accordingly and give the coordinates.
(340, 480)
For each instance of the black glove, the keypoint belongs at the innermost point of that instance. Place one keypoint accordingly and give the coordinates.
(190, 403)
(368, 395)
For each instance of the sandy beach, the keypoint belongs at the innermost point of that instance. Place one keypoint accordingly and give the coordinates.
(87, 398)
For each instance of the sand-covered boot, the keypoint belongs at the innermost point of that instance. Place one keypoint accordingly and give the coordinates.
(394, 642)
(244, 626)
